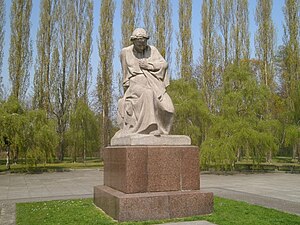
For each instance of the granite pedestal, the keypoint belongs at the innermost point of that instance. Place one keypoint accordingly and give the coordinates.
(152, 182)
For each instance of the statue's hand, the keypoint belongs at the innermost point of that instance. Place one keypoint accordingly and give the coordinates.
(145, 65)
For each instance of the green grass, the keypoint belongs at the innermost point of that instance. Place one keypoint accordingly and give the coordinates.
(77, 212)
(51, 167)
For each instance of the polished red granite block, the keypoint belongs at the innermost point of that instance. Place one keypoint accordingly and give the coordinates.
(164, 169)
(190, 203)
(137, 169)
(190, 168)
(152, 205)
(126, 170)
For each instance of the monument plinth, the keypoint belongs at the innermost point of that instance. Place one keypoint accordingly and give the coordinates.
(149, 174)
(152, 182)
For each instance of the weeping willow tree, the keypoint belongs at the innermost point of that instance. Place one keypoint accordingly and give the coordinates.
(240, 128)
(83, 135)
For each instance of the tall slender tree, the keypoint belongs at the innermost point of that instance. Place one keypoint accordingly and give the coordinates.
(20, 52)
(82, 49)
(290, 65)
(149, 19)
(208, 77)
(128, 20)
(225, 13)
(63, 60)
(265, 48)
(240, 35)
(163, 29)
(265, 42)
(139, 12)
(43, 79)
(105, 69)
(2, 23)
(185, 50)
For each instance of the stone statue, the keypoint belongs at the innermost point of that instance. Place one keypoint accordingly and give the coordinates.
(145, 108)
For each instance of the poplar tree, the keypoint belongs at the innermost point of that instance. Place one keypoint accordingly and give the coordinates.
(62, 63)
(138, 14)
(225, 13)
(82, 49)
(149, 19)
(105, 69)
(290, 66)
(20, 52)
(128, 20)
(2, 23)
(43, 79)
(240, 31)
(265, 42)
(265, 45)
(208, 78)
(163, 28)
(185, 50)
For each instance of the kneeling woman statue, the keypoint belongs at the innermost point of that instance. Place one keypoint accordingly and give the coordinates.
(145, 108)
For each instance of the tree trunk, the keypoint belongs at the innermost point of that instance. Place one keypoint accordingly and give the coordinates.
(7, 157)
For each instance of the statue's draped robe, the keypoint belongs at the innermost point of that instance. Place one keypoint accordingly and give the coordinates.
(145, 106)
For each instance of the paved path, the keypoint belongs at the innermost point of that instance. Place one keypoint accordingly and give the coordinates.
(274, 190)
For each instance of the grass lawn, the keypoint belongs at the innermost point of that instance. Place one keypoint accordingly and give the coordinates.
(51, 167)
(76, 212)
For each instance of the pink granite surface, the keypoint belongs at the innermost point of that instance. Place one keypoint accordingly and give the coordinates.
(152, 205)
(138, 169)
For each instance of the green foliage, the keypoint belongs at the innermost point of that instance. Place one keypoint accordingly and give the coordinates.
(163, 28)
(43, 137)
(30, 133)
(20, 51)
(292, 135)
(265, 41)
(105, 68)
(226, 212)
(184, 38)
(192, 117)
(240, 129)
(12, 123)
(128, 20)
(83, 134)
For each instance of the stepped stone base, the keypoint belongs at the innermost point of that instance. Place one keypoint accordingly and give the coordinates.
(152, 205)
(152, 182)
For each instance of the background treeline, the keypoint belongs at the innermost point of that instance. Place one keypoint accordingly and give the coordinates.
(234, 107)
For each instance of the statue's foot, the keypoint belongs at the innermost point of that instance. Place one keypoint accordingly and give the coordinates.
(156, 133)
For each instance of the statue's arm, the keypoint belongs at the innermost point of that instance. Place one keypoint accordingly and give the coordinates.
(124, 69)
(159, 64)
